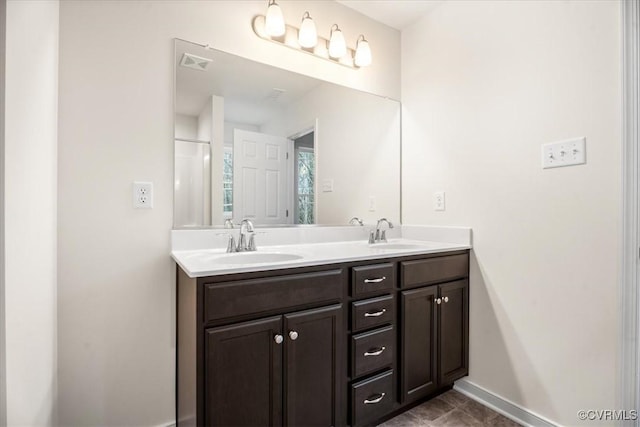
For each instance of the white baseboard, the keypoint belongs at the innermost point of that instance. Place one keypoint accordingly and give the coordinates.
(503, 406)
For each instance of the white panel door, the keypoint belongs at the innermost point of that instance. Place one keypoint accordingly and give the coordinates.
(260, 178)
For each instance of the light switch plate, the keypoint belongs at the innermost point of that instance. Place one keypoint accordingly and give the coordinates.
(438, 201)
(564, 153)
(372, 204)
(327, 185)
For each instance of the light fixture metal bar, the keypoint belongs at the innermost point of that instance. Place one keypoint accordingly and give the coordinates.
(290, 40)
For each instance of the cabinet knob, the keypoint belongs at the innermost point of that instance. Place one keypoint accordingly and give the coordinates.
(446, 299)
(293, 335)
(438, 300)
(278, 339)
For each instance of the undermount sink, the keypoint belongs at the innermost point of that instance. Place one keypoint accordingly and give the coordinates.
(255, 258)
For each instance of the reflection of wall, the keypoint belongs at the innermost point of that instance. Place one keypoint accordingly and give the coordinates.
(357, 147)
(230, 126)
(186, 126)
(116, 289)
(205, 133)
(484, 85)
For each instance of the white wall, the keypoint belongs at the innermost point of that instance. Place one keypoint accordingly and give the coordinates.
(484, 84)
(229, 127)
(116, 281)
(357, 147)
(30, 181)
(3, 371)
(186, 126)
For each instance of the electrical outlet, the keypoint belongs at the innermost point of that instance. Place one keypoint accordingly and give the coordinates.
(438, 201)
(143, 195)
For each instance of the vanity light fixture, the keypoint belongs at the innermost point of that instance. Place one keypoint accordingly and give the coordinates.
(337, 45)
(272, 27)
(307, 34)
(363, 52)
(274, 21)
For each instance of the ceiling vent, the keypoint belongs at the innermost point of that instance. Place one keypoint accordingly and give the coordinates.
(197, 63)
(275, 94)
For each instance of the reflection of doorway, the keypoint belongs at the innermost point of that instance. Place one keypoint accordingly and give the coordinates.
(304, 179)
(260, 172)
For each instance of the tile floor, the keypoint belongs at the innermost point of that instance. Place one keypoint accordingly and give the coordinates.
(450, 409)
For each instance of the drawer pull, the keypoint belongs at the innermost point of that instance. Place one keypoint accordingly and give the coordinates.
(377, 352)
(369, 401)
(378, 280)
(376, 314)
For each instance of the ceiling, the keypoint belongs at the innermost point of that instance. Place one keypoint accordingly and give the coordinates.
(246, 99)
(398, 14)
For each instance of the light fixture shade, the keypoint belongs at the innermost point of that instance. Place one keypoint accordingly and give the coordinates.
(274, 21)
(363, 53)
(337, 45)
(307, 34)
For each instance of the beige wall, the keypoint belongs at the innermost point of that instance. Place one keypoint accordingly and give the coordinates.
(484, 84)
(358, 148)
(116, 281)
(30, 211)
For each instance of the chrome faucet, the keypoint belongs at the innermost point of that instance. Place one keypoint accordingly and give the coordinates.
(380, 235)
(246, 242)
(356, 221)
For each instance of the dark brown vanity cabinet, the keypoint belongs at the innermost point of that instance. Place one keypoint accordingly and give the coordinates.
(340, 344)
(434, 319)
(261, 351)
(249, 367)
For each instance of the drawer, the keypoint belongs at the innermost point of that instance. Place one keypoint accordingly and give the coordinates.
(433, 270)
(372, 312)
(372, 398)
(243, 297)
(371, 351)
(372, 278)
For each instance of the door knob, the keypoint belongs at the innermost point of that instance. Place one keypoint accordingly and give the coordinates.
(293, 335)
(438, 300)
(446, 299)
(278, 339)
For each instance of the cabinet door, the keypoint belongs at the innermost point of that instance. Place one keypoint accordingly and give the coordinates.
(243, 374)
(418, 343)
(453, 331)
(313, 367)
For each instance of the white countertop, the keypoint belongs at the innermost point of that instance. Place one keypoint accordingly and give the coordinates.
(212, 262)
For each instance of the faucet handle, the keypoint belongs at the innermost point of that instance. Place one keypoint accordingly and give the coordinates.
(228, 223)
(372, 239)
(251, 246)
(231, 242)
(357, 220)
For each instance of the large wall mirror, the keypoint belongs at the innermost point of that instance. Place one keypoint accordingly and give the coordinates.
(280, 148)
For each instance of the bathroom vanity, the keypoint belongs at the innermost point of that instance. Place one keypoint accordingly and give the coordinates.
(340, 342)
